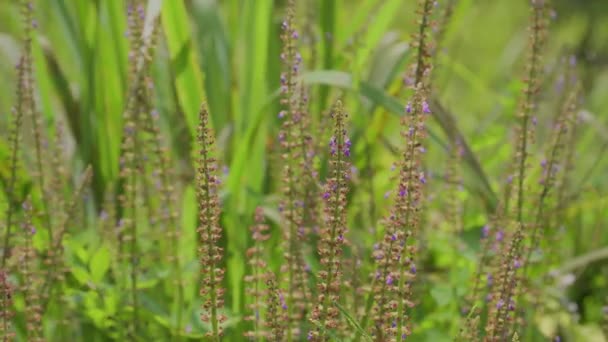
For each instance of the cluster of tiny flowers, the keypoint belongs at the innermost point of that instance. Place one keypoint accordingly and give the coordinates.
(209, 230)
(6, 303)
(257, 278)
(294, 143)
(395, 256)
(333, 233)
(501, 310)
(29, 278)
(419, 72)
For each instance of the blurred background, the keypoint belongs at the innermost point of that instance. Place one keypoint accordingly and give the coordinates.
(227, 53)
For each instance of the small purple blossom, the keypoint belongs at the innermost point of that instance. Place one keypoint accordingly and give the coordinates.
(389, 280)
(500, 235)
(500, 304)
(413, 269)
(326, 195)
(347, 145)
(282, 300)
(408, 107)
(332, 145)
(422, 178)
(425, 108)
(485, 231)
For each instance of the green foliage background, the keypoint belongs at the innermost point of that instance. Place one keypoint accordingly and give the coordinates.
(227, 53)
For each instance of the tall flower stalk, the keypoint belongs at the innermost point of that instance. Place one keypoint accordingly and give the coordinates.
(209, 230)
(511, 259)
(291, 204)
(325, 314)
(257, 279)
(22, 109)
(6, 312)
(29, 280)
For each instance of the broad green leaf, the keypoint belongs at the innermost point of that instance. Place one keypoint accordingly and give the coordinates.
(100, 263)
(188, 78)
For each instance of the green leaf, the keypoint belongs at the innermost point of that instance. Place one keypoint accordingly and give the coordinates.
(100, 263)
(353, 322)
(442, 294)
(188, 78)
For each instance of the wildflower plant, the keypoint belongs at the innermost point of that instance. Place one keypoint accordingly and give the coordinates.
(113, 230)
(333, 233)
(209, 230)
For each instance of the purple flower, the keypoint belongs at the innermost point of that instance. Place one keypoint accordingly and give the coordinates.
(500, 304)
(422, 178)
(309, 336)
(389, 280)
(332, 145)
(347, 145)
(402, 192)
(500, 235)
(284, 25)
(425, 108)
(517, 263)
(403, 336)
(408, 107)
(393, 237)
(282, 300)
(490, 280)
(485, 231)
(413, 269)
(326, 195)
(295, 35)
